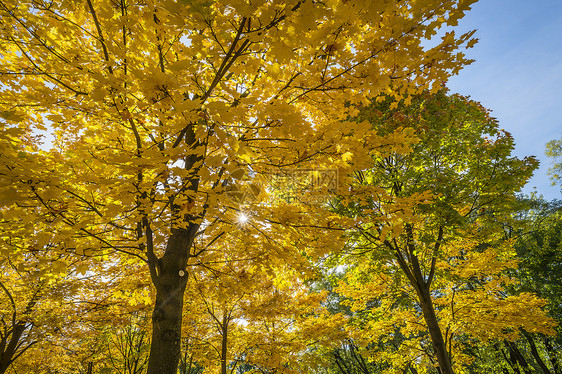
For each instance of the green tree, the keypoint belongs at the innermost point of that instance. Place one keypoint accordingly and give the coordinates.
(536, 233)
(539, 249)
(429, 229)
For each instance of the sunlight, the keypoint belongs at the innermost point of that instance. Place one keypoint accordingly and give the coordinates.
(242, 218)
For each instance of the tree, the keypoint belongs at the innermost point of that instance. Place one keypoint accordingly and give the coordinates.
(16, 335)
(554, 150)
(248, 311)
(536, 232)
(155, 107)
(48, 304)
(538, 248)
(429, 241)
(36, 285)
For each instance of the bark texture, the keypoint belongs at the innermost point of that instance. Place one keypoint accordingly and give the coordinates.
(170, 279)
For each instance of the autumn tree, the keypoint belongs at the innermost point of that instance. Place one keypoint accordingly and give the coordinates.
(127, 349)
(429, 252)
(16, 334)
(536, 232)
(156, 106)
(247, 309)
(37, 284)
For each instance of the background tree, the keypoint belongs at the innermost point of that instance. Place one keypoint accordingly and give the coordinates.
(540, 253)
(37, 285)
(554, 150)
(429, 225)
(246, 308)
(127, 348)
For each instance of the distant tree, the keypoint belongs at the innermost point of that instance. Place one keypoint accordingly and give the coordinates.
(554, 150)
(127, 348)
(539, 250)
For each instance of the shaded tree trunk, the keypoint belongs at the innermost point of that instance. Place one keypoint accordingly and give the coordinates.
(552, 355)
(341, 363)
(8, 354)
(11, 346)
(169, 276)
(511, 361)
(517, 357)
(535, 353)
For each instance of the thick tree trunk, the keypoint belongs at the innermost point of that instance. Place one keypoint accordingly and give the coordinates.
(166, 333)
(170, 282)
(437, 340)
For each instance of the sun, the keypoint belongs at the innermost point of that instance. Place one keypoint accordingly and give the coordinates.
(242, 218)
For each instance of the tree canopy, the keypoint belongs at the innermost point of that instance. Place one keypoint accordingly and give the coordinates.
(429, 242)
(192, 151)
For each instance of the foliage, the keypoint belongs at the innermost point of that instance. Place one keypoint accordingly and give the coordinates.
(127, 349)
(540, 252)
(165, 114)
(428, 257)
(159, 110)
(554, 150)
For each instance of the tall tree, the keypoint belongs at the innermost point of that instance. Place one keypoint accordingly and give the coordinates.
(155, 106)
(430, 227)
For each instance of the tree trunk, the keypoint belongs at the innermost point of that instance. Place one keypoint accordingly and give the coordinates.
(422, 286)
(224, 343)
(535, 353)
(552, 354)
(437, 340)
(7, 356)
(341, 363)
(510, 361)
(170, 282)
(517, 356)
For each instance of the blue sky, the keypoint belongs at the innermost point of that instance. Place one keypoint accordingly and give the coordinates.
(518, 74)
